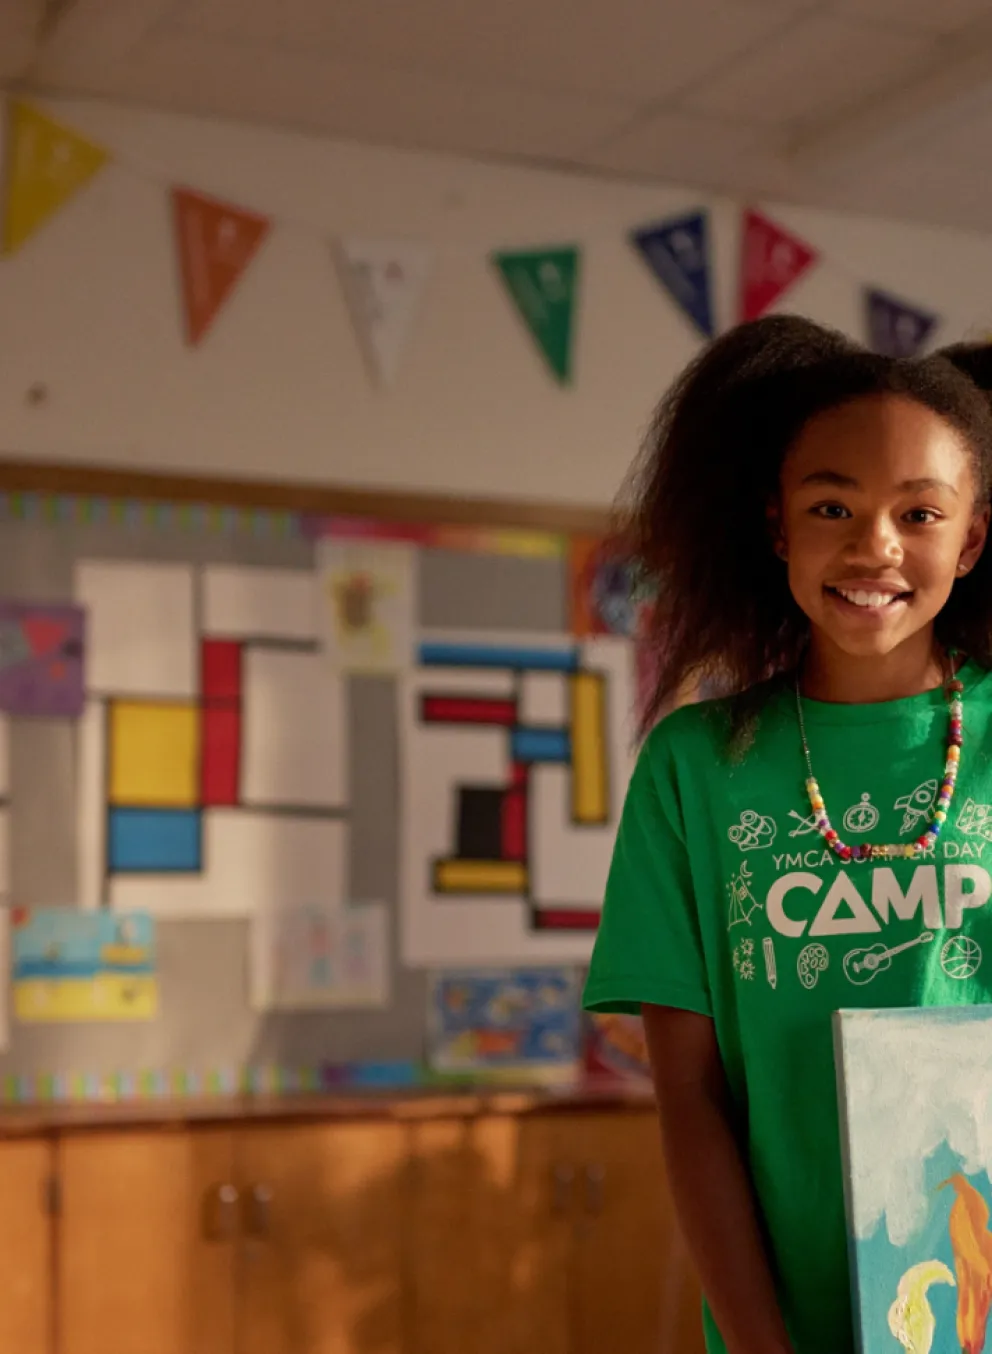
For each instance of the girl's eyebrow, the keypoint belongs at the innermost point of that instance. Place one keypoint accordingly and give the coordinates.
(839, 481)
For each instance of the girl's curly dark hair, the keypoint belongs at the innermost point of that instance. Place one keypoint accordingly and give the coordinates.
(694, 514)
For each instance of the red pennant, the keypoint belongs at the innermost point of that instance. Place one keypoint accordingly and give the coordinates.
(43, 634)
(216, 243)
(771, 261)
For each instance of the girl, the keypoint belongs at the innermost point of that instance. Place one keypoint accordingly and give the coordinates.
(813, 517)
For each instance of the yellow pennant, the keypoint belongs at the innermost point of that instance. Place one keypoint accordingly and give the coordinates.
(47, 165)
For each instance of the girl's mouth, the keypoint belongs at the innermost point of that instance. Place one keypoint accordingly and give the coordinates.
(863, 599)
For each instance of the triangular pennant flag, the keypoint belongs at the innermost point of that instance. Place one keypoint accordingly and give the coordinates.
(678, 253)
(543, 284)
(383, 282)
(47, 165)
(771, 261)
(216, 243)
(895, 328)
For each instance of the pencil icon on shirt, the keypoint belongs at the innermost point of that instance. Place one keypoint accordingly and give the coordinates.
(768, 945)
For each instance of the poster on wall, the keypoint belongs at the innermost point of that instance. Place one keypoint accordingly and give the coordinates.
(515, 757)
(315, 957)
(367, 593)
(512, 1022)
(73, 966)
(41, 660)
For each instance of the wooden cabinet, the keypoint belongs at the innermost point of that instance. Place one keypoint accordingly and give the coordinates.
(550, 1232)
(27, 1319)
(321, 1264)
(145, 1242)
(500, 1233)
(633, 1288)
(489, 1240)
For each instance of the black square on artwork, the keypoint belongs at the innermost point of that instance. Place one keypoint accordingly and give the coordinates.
(480, 813)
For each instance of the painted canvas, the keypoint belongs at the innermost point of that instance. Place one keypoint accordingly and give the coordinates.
(916, 1108)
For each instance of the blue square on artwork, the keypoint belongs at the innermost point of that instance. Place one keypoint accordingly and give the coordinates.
(154, 840)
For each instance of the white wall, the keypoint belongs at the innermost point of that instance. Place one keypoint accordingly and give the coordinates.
(90, 308)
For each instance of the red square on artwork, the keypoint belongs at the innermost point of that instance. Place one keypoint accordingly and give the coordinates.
(220, 755)
(221, 670)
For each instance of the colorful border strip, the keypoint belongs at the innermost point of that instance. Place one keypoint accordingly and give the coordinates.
(59, 509)
(475, 540)
(262, 523)
(112, 1088)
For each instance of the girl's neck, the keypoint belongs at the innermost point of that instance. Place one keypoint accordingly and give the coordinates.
(828, 674)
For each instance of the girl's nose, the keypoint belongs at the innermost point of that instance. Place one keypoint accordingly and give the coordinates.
(878, 544)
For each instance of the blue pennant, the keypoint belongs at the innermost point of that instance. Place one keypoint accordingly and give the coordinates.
(896, 329)
(678, 253)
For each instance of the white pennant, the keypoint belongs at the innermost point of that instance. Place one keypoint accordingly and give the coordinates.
(383, 282)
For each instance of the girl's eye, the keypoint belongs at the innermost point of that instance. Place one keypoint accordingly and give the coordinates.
(921, 517)
(832, 511)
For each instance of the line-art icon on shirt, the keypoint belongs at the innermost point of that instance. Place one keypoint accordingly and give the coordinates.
(813, 960)
(917, 805)
(861, 817)
(744, 960)
(804, 826)
(754, 832)
(975, 820)
(771, 969)
(742, 900)
(961, 957)
(861, 966)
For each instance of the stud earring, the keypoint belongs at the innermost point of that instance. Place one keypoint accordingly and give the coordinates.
(962, 570)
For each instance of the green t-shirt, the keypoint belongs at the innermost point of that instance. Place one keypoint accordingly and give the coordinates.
(723, 899)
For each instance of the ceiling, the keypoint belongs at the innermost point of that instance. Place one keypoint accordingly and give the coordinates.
(878, 106)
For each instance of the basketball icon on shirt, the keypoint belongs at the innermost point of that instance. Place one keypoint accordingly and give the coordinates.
(961, 957)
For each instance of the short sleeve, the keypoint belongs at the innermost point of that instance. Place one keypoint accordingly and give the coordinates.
(648, 948)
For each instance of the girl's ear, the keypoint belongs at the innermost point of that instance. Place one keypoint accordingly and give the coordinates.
(773, 519)
(974, 542)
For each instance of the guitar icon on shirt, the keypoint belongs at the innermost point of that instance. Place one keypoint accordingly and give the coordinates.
(860, 966)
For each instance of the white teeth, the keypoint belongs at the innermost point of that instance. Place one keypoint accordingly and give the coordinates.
(861, 598)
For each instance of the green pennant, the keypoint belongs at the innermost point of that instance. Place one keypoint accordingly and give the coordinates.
(543, 284)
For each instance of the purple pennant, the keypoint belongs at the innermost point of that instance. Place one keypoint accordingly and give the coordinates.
(41, 660)
(895, 328)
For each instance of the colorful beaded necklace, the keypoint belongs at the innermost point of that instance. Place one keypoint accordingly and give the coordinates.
(953, 689)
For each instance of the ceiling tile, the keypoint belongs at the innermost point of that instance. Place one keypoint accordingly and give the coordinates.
(816, 69)
(19, 21)
(691, 148)
(627, 47)
(352, 100)
(936, 16)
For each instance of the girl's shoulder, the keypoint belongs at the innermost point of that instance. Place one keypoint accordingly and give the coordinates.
(719, 726)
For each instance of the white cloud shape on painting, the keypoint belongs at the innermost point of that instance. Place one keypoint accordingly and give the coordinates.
(913, 1080)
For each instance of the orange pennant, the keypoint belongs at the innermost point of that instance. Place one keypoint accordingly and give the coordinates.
(216, 243)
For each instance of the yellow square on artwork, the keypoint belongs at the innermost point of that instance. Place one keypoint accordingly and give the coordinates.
(154, 754)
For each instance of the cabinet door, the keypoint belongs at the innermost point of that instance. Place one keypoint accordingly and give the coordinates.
(147, 1242)
(320, 1268)
(27, 1305)
(633, 1286)
(489, 1237)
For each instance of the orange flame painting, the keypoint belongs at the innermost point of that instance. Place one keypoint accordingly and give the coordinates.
(971, 1242)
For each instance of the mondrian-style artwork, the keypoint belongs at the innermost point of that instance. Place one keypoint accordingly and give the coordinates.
(515, 760)
(213, 748)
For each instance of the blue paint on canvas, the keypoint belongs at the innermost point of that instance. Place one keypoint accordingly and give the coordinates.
(917, 1120)
(154, 841)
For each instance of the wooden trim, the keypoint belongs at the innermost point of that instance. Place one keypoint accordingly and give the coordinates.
(47, 477)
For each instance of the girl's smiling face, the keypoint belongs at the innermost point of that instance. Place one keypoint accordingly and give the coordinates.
(876, 518)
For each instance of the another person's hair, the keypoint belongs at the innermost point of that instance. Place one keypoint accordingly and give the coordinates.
(694, 515)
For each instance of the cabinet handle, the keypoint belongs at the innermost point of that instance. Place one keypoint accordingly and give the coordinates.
(258, 1214)
(595, 1178)
(563, 1176)
(220, 1212)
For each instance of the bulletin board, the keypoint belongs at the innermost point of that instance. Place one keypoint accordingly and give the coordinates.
(274, 759)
